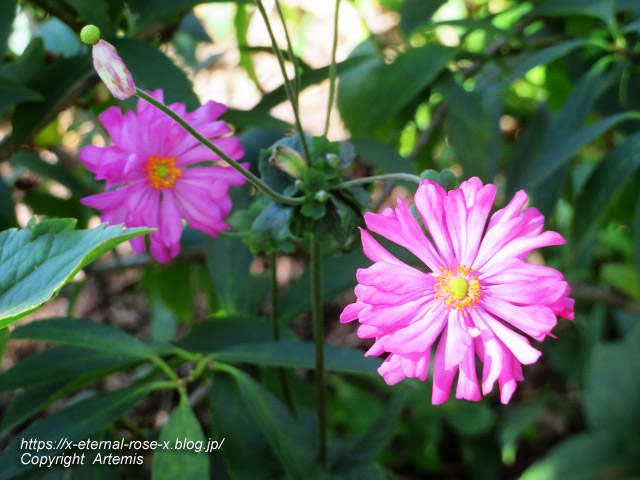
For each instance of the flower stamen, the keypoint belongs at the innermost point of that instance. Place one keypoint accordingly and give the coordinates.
(461, 290)
(162, 172)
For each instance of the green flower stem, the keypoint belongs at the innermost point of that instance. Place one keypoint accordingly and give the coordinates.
(332, 69)
(318, 337)
(391, 176)
(292, 57)
(287, 84)
(175, 380)
(255, 181)
(275, 326)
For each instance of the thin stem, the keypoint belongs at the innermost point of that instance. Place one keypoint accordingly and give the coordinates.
(292, 57)
(275, 329)
(390, 176)
(287, 84)
(318, 337)
(332, 69)
(255, 181)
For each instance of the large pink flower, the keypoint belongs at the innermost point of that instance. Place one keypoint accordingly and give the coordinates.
(147, 165)
(478, 287)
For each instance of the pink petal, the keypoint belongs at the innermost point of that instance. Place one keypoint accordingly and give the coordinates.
(442, 378)
(429, 202)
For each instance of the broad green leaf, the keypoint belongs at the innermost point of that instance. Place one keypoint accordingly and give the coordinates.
(415, 13)
(151, 69)
(84, 333)
(35, 263)
(246, 452)
(469, 419)
(54, 83)
(179, 297)
(587, 456)
(74, 422)
(298, 355)
(219, 333)
(12, 93)
(241, 22)
(162, 11)
(622, 276)
(391, 88)
(62, 364)
(290, 442)
(175, 463)
(608, 176)
(7, 14)
(512, 425)
(613, 387)
(270, 231)
(256, 118)
(636, 236)
(228, 262)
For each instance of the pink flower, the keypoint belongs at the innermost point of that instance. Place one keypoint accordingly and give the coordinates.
(477, 288)
(148, 165)
(112, 70)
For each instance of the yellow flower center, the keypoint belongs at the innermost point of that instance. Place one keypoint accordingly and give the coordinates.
(162, 172)
(460, 289)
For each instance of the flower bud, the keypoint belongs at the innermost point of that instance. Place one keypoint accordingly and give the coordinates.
(90, 34)
(112, 70)
(321, 196)
(289, 161)
(333, 160)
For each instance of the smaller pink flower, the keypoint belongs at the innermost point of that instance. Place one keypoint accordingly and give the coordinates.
(475, 287)
(147, 171)
(112, 70)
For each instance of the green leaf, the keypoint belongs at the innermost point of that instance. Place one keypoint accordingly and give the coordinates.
(613, 387)
(298, 355)
(7, 14)
(602, 9)
(12, 93)
(246, 452)
(228, 262)
(151, 69)
(95, 12)
(415, 13)
(469, 419)
(179, 297)
(83, 333)
(622, 276)
(185, 464)
(53, 82)
(270, 231)
(585, 456)
(609, 175)
(255, 118)
(636, 236)
(162, 11)
(7, 207)
(74, 422)
(35, 263)
(290, 442)
(219, 333)
(389, 88)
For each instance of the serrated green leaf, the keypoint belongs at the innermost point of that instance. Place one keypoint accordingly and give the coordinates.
(74, 422)
(35, 263)
(270, 231)
(298, 355)
(151, 69)
(288, 440)
(186, 464)
(246, 452)
(83, 333)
